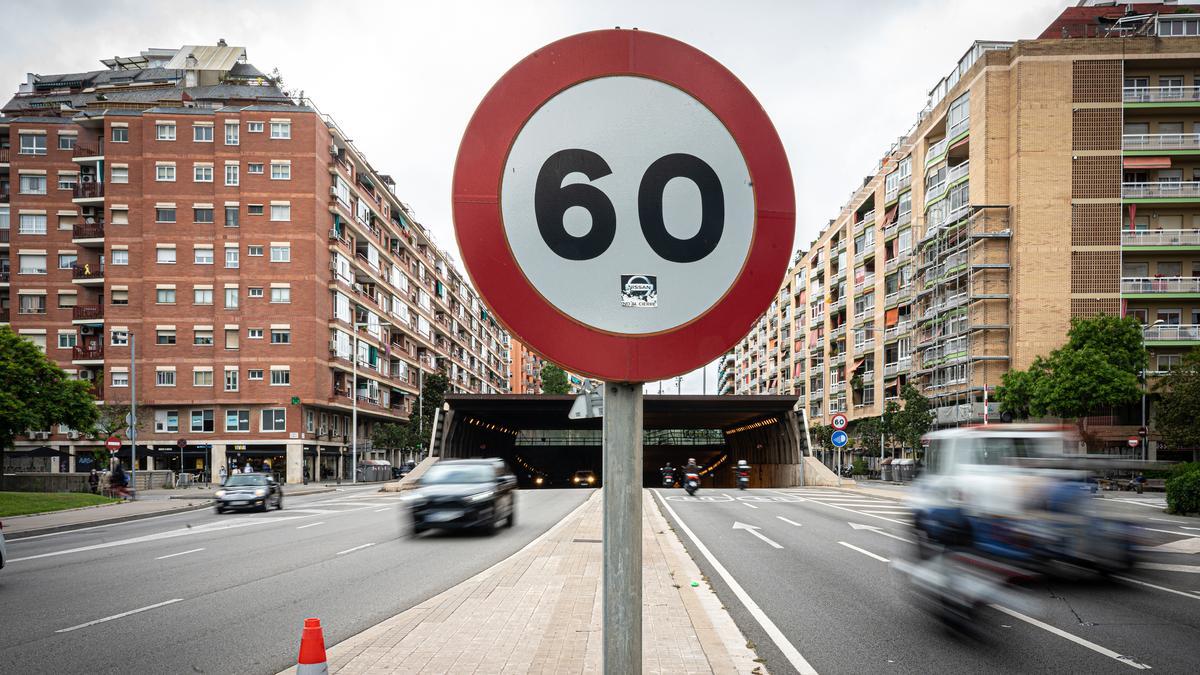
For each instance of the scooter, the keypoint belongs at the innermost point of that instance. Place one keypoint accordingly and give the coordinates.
(691, 482)
(668, 480)
(743, 480)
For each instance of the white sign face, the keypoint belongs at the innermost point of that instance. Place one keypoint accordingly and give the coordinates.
(839, 422)
(627, 205)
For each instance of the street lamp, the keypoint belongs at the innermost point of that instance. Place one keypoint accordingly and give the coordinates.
(1146, 438)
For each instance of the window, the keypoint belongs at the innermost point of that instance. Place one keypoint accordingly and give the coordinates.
(120, 134)
(281, 171)
(255, 209)
(164, 215)
(281, 254)
(231, 338)
(281, 130)
(232, 133)
(120, 338)
(310, 421)
(164, 132)
(66, 260)
(202, 420)
(165, 256)
(255, 292)
(280, 377)
(66, 142)
(281, 295)
(202, 296)
(120, 297)
(231, 258)
(231, 174)
(203, 256)
(274, 419)
(120, 174)
(31, 263)
(165, 296)
(231, 379)
(254, 127)
(165, 173)
(67, 299)
(164, 336)
(202, 337)
(255, 374)
(67, 181)
(1165, 362)
(281, 212)
(32, 304)
(254, 251)
(166, 421)
(32, 185)
(33, 144)
(281, 336)
(231, 216)
(237, 420)
(164, 378)
(203, 216)
(31, 223)
(231, 298)
(202, 173)
(66, 340)
(254, 168)
(202, 378)
(202, 134)
(254, 333)
(120, 379)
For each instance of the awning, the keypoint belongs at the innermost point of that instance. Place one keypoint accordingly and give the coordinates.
(857, 365)
(1147, 162)
(891, 317)
(40, 451)
(959, 144)
(889, 216)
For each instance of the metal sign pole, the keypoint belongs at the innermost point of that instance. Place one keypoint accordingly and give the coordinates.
(623, 528)
(133, 414)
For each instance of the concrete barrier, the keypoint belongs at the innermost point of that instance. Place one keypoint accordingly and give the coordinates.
(817, 474)
(46, 482)
(410, 479)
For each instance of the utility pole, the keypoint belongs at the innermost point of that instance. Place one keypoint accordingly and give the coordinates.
(133, 413)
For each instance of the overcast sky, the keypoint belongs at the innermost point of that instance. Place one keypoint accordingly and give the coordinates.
(840, 80)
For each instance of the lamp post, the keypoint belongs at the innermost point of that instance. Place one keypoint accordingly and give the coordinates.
(354, 409)
(1145, 439)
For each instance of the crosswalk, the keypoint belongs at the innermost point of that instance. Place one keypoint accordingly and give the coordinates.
(864, 504)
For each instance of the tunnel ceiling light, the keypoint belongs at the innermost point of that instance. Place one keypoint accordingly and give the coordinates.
(753, 425)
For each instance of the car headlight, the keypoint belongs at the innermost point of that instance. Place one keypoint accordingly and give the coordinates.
(220, 493)
(260, 493)
(537, 481)
(480, 496)
(591, 480)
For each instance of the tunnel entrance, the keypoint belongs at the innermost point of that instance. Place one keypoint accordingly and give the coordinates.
(545, 448)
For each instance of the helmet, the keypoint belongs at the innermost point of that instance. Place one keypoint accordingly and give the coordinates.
(741, 462)
(691, 460)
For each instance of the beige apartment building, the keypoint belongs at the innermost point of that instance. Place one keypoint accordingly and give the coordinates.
(1046, 179)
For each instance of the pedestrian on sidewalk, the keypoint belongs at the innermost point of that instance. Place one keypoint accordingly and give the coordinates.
(248, 469)
(223, 474)
(119, 482)
(94, 481)
(306, 475)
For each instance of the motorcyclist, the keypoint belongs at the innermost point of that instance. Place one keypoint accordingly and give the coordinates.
(667, 470)
(692, 466)
(742, 468)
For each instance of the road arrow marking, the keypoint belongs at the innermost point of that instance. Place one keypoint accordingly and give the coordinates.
(879, 530)
(864, 551)
(750, 505)
(754, 531)
(789, 522)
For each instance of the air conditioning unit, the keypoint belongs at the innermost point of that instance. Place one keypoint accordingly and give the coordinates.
(333, 234)
(74, 435)
(87, 330)
(333, 149)
(332, 263)
(87, 375)
(40, 435)
(332, 190)
(333, 347)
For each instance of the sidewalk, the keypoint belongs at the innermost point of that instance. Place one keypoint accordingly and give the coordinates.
(540, 611)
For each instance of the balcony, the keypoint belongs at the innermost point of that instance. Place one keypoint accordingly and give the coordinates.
(4, 195)
(1176, 95)
(1184, 333)
(1133, 238)
(904, 218)
(937, 151)
(5, 235)
(87, 312)
(92, 232)
(87, 273)
(88, 151)
(1160, 142)
(85, 353)
(4, 156)
(5, 315)
(1163, 190)
(1160, 285)
(88, 191)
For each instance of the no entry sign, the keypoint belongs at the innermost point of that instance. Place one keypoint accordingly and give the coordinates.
(113, 444)
(624, 204)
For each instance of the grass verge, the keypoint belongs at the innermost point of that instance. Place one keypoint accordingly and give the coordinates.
(22, 503)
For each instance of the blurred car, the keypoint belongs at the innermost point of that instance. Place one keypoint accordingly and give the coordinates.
(464, 493)
(3, 553)
(583, 479)
(249, 491)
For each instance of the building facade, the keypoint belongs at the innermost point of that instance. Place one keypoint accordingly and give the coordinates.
(179, 203)
(1046, 179)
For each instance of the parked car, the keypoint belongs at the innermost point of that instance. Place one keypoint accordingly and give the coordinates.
(249, 491)
(584, 479)
(466, 493)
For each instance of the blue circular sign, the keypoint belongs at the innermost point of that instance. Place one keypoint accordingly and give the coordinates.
(839, 438)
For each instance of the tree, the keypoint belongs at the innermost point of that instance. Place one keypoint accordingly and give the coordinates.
(554, 380)
(389, 436)
(36, 394)
(420, 425)
(1177, 414)
(822, 437)
(913, 420)
(890, 420)
(867, 432)
(110, 420)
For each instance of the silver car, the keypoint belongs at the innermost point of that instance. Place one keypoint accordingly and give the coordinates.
(249, 491)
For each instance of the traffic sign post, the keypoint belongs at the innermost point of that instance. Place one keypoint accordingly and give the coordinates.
(625, 206)
(839, 438)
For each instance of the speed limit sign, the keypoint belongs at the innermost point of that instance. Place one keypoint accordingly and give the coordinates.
(624, 204)
(838, 422)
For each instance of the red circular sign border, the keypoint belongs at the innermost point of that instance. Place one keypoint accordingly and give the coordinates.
(478, 222)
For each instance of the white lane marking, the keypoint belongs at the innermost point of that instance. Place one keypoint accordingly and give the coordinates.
(790, 522)
(864, 551)
(1158, 504)
(386, 508)
(301, 527)
(315, 512)
(879, 530)
(1161, 588)
(755, 531)
(1182, 527)
(1073, 638)
(888, 513)
(118, 616)
(785, 646)
(1178, 534)
(172, 555)
(1164, 520)
(870, 515)
(750, 505)
(1191, 569)
(356, 548)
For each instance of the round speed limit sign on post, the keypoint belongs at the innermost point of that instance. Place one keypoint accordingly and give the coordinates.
(624, 204)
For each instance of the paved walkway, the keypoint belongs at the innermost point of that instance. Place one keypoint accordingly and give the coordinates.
(540, 611)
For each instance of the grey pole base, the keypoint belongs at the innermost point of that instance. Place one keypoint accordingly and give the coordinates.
(622, 528)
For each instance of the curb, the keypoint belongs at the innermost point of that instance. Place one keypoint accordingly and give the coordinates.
(16, 536)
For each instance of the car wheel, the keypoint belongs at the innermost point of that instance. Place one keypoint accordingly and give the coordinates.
(264, 507)
(220, 509)
(279, 503)
(417, 528)
(512, 513)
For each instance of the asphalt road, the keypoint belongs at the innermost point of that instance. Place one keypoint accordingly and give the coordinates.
(206, 593)
(828, 588)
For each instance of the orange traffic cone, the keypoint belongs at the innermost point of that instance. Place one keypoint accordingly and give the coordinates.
(312, 650)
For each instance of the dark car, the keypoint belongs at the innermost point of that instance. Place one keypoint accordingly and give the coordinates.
(249, 491)
(467, 493)
(584, 479)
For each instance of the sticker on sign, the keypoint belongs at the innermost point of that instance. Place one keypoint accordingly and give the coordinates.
(639, 290)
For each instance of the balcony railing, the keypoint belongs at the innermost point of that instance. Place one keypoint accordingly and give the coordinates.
(87, 272)
(88, 190)
(85, 353)
(5, 235)
(1160, 285)
(4, 155)
(1160, 141)
(1161, 94)
(1189, 332)
(90, 150)
(937, 150)
(958, 172)
(94, 230)
(5, 315)
(1161, 190)
(1160, 237)
(87, 312)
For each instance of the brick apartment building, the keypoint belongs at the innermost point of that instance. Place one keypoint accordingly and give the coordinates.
(179, 199)
(1046, 179)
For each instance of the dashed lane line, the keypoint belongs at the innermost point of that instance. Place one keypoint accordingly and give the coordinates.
(356, 548)
(120, 616)
(172, 555)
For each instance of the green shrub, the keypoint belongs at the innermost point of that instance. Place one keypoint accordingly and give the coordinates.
(1183, 493)
(859, 467)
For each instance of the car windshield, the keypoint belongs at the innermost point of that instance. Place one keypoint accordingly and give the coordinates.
(242, 479)
(439, 474)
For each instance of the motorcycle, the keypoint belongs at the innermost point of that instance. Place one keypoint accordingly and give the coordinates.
(743, 480)
(668, 480)
(691, 483)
